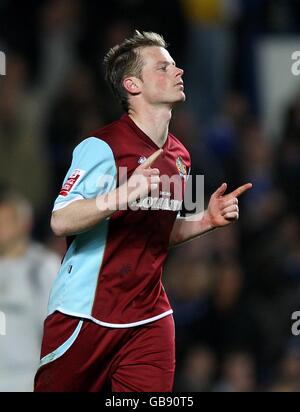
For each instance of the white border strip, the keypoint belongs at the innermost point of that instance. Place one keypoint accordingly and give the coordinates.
(62, 349)
(114, 325)
(61, 205)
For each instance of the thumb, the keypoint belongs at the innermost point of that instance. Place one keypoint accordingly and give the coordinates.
(221, 190)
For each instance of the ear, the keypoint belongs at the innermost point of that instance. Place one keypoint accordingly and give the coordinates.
(132, 85)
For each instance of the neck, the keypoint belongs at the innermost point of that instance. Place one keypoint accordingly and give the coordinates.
(154, 122)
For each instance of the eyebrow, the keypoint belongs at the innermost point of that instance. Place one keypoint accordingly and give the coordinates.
(165, 62)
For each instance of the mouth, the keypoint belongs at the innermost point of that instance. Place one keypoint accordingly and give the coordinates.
(181, 84)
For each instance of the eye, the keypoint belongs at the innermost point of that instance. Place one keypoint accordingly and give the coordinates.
(163, 68)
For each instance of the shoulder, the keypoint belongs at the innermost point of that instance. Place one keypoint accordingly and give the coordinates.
(112, 131)
(89, 144)
(107, 138)
(91, 149)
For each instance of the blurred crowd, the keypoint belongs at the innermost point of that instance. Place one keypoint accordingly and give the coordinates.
(233, 290)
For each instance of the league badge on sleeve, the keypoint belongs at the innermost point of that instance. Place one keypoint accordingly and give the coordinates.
(71, 182)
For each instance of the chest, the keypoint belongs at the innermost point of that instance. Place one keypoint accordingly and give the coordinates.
(173, 165)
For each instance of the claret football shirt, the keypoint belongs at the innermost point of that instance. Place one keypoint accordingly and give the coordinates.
(112, 273)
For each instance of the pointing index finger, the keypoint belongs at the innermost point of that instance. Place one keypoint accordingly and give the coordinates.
(240, 190)
(151, 159)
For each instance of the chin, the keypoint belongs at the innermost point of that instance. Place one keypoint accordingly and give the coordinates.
(182, 98)
(179, 99)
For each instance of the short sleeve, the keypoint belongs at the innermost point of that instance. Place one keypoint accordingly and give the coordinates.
(92, 173)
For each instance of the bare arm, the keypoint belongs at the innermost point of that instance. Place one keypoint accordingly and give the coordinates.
(185, 230)
(221, 211)
(81, 215)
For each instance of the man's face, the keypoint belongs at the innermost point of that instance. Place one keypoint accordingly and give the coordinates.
(161, 79)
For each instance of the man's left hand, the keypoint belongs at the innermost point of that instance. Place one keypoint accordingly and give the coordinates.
(223, 209)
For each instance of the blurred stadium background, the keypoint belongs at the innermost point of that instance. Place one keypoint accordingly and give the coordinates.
(234, 290)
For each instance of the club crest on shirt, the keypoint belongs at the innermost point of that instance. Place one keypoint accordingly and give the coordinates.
(181, 167)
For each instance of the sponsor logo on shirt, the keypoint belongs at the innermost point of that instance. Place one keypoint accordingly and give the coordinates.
(157, 203)
(71, 182)
(141, 160)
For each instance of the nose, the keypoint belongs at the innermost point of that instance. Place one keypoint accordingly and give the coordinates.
(180, 72)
